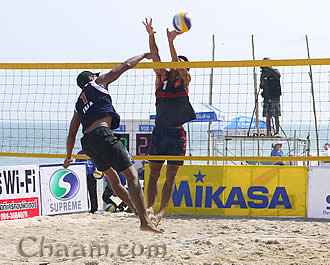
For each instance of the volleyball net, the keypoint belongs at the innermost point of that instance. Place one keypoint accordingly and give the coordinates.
(37, 103)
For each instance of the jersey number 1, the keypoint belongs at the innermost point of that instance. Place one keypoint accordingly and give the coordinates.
(164, 84)
(83, 97)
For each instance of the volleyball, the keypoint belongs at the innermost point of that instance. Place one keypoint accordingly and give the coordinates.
(182, 22)
(110, 208)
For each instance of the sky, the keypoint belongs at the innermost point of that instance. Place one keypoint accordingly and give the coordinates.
(111, 31)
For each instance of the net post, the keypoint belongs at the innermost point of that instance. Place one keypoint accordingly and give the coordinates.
(255, 93)
(210, 99)
(313, 98)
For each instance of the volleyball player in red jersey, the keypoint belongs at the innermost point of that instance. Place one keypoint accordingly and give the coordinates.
(173, 109)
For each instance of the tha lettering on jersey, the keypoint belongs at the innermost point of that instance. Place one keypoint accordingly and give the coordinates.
(87, 104)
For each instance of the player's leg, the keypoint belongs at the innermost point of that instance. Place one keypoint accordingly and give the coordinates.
(167, 190)
(119, 189)
(123, 162)
(136, 194)
(107, 151)
(155, 166)
(176, 142)
(153, 185)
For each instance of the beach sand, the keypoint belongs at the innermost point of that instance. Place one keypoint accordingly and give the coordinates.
(188, 240)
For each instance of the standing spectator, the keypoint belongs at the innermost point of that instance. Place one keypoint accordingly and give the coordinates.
(271, 86)
(277, 151)
(91, 182)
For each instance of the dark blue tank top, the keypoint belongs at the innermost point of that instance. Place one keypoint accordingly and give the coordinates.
(172, 104)
(94, 103)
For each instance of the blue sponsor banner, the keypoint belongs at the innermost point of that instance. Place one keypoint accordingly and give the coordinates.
(200, 117)
(146, 127)
(205, 117)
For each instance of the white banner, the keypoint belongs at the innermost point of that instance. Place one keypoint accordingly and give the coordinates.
(19, 192)
(63, 190)
(318, 204)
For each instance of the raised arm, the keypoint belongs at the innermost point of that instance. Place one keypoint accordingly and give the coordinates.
(117, 71)
(74, 126)
(152, 44)
(183, 72)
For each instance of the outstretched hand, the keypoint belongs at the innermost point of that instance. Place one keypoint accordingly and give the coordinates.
(67, 162)
(151, 55)
(171, 35)
(149, 26)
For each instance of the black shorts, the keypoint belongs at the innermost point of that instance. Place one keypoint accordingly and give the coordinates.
(168, 141)
(106, 150)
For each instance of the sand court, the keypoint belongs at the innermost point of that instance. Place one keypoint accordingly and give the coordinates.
(68, 239)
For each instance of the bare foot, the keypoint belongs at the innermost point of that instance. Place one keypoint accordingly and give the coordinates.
(151, 216)
(151, 228)
(157, 219)
(150, 212)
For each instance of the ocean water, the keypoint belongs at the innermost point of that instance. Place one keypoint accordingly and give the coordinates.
(50, 138)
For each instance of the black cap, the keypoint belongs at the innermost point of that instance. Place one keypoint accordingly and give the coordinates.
(183, 58)
(83, 78)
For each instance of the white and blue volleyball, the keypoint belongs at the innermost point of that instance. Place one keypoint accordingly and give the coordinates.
(182, 22)
(110, 208)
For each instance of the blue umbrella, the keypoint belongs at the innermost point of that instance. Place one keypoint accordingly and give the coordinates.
(243, 122)
(237, 126)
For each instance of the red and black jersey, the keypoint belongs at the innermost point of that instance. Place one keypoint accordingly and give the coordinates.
(172, 104)
(94, 103)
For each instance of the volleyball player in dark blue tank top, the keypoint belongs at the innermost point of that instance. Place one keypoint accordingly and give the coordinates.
(94, 110)
(173, 109)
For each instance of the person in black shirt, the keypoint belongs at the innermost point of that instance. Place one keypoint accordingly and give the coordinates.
(271, 86)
